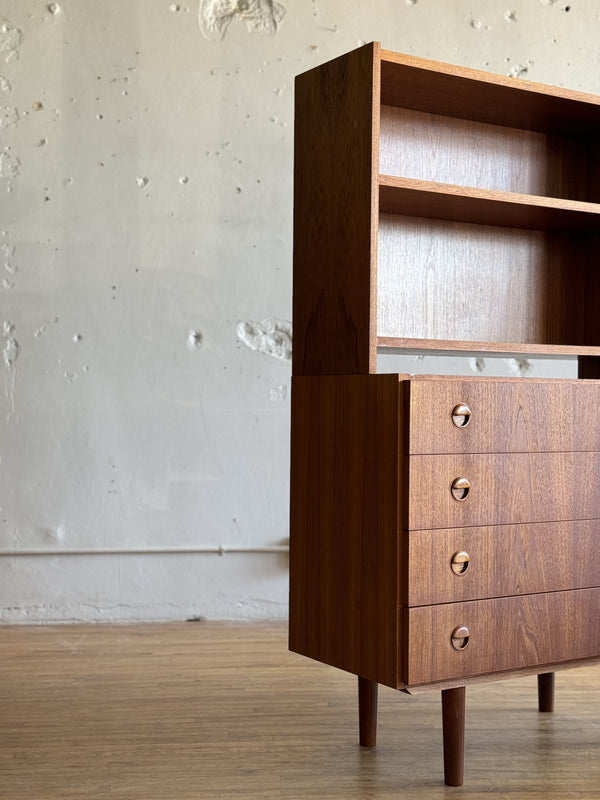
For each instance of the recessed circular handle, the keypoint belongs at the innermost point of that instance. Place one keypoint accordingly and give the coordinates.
(460, 637)
(461, 415)
(460, 488)
(460, 562)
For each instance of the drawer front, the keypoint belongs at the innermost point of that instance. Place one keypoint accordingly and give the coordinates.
(502, 634)
(502, 489)
(503, 416)
(458, 564)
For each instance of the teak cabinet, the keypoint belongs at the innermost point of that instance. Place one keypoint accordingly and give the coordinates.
(443, 530)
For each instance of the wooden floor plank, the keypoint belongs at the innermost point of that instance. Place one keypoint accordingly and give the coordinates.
(224, 711)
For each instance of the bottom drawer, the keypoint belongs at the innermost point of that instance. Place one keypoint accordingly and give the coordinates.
(501, 634)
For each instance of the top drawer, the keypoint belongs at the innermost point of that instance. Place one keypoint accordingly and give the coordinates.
(503, 415)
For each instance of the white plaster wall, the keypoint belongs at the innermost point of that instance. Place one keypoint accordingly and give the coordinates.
(145, 233)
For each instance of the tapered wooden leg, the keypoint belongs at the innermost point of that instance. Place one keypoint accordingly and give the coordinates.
(367, 711)
(453, 724)
(546, 691)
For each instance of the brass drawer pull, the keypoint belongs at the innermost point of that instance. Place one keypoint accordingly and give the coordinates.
(460, 637)
(460, 488)
(460, 562)
(461, 415)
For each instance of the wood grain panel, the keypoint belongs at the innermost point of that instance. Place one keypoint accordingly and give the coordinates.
(430, 147)
(446, 89)
(335, 209)
(505, 488)
(485, 206)
(504, 560)
(505, 634)
(527, 286)
(344, 555)
(428, 347)
(506, 416)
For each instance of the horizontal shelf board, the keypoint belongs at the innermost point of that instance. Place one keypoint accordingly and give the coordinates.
(439, 88)
(502, 349)
(417, 198)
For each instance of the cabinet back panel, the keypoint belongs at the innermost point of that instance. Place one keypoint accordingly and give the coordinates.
(453, 280)
(431, 147)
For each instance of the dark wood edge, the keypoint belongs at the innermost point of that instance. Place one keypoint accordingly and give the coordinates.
(499, 676)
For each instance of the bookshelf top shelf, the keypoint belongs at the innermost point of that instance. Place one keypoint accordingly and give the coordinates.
(438, 88)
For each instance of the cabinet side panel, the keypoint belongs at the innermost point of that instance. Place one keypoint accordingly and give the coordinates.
(344, 569)
(335, 210)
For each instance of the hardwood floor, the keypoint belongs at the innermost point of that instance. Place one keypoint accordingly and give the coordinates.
(224, 711)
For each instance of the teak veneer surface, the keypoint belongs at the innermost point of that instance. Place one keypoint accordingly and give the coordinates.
(504, 560)
(344, 556)
(433, 273)
(445, 150)
(506, 416)
(505, 634)
(484, 206)
(335, 113)
(443, 347)
(448, 90)
(505, 488)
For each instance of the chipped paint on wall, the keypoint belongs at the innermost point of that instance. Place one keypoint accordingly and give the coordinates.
(10, 350)
(11, 39)
(477, 364)
(519, 70)
(519, 366)
(10, 354)
(271, 336)
(8, 116)
(10, 167)
(278, 393)
(260, 16)
(194, 339)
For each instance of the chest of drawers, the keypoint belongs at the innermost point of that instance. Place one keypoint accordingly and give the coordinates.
(444, 530)
(406, 580)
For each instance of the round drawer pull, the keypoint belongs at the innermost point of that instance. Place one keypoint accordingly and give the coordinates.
(460, 562)
(460, 637)
(460, 488)
(461, 415)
